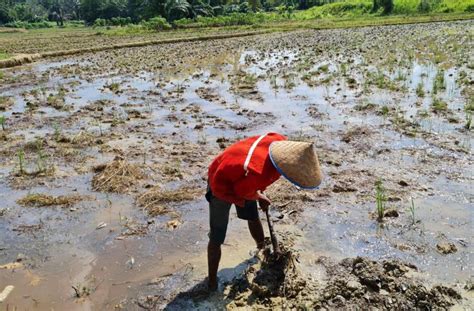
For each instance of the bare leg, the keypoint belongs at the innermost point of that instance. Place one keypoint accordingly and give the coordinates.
(256, 230)
(213, 258)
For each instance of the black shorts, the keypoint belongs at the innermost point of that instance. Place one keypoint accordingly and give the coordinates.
(219, 216)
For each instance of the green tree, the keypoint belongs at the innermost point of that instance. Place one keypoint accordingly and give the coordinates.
(386, 5)
(177, 9)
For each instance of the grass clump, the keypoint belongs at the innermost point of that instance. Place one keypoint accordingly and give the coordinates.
(439, 82)
(234, 19)
(3, 121)
(468, 124)
(117, 176)
(4, 55)
(412, 210)
(469, 107)
(438, 105)
(419, 90)
(41, 200)
(154, 199)
(351, 8)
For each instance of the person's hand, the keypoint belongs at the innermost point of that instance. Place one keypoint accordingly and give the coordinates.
(263, 201)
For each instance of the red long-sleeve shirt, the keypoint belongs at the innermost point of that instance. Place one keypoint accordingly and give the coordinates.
(232, 180)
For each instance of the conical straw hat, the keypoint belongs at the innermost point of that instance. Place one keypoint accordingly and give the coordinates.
(297, 161)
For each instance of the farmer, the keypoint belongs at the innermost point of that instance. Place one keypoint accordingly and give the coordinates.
(239, 176)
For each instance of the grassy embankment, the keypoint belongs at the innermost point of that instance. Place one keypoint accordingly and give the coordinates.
(344, 14)
(4, 55)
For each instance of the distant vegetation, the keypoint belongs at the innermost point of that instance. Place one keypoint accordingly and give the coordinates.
(164, 14)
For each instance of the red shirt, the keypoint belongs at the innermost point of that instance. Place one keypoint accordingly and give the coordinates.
(230, 180)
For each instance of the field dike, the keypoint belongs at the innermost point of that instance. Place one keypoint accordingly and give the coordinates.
(23, 59)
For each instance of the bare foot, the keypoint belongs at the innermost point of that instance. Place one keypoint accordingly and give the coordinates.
(212, 285)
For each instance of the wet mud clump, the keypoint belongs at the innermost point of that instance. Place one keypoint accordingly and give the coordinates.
(277, 282)
(389, 284)
(118, 176)
(271, 280)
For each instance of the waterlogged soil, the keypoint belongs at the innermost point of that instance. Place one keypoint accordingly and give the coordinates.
(104, 159)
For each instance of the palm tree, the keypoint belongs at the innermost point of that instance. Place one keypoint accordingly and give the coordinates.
(176, 9)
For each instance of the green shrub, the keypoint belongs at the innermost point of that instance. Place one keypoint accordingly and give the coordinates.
(100, 22)
(156, 23)
(114, 21)
(233, 19)
(338, 9)
(27, 25)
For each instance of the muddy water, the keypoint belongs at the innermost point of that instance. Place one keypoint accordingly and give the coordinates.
(242, 90)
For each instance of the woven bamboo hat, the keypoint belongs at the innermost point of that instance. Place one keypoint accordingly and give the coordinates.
(297, 161)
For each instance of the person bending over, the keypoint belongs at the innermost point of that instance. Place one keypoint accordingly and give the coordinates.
(240, 175)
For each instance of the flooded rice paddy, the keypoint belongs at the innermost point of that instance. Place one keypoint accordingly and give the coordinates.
(104, 159)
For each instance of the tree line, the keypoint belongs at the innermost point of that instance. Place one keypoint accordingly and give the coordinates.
(125, 11)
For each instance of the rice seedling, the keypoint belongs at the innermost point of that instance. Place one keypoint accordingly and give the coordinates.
(179, 88)
(412, 210)
(113, 87)
(419, 90)
(40, 162)
(343, 69)
(21, 161)
(468, 124)
(401, 76)
(438, 105)
(384, 110)
(57, 132)
(380, 199)
(469, 107)
(289, 82)
(439, 83)
(324, 68)
(273, 81)
(3, 120)
(202, 140)
(423, 113)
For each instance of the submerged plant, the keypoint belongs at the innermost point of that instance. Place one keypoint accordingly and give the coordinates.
(380, 199)
(21, 161)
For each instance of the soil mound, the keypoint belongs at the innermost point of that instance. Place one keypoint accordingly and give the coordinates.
(353, 283)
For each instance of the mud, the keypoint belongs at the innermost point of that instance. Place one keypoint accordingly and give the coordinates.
(277, 282)
(132, 132)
